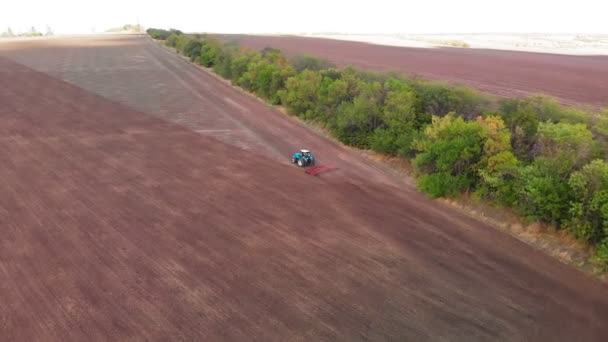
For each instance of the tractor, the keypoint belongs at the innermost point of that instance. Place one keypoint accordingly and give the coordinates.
(303, 158)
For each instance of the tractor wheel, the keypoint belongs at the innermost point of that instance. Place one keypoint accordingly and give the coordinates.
(301, 162)
(293, 160)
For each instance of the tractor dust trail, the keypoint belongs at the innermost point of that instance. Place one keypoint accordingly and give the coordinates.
(119, 221)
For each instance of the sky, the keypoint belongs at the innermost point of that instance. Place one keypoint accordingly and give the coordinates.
(311, 16)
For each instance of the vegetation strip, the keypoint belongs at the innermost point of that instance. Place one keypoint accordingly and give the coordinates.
(546, 161)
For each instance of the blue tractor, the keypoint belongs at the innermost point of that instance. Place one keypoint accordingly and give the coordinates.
(303, 158)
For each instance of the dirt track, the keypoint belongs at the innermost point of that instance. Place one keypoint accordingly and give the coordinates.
(572, 79)
(145, 199)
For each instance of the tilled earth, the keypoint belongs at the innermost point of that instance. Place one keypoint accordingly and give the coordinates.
(580, 80)
(144, 199)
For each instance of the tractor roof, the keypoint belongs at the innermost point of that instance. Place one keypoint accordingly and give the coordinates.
(304, 151)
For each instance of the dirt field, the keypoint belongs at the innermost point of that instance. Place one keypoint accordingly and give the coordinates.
(572, 79)
(144, 199)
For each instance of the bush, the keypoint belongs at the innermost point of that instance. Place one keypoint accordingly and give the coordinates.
(523, 125)
(601, 254)
(336, 88)
(162, 34)
(301, 93)
(443, 184)
(209, 52)
(223, 60)
(570, 146)
(440, 99)
(356, 121)
(193, 49)
(497, 168)
(393, 141)
(240, 62)
(589, 207)
(301, 63)
(543, 193)
(498, 179)
(451, 147)
(180, 42)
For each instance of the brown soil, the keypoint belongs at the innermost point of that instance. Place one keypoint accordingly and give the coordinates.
(571, 79)
(144, 199)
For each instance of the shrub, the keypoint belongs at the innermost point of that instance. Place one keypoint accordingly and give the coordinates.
(301, 93)
(162, 34)
(209, 52)
(601, 254)
(193, 49)
(443, 184)
(240, 63)
(450, 148)
(569, 145)
(301, 63)
(393, 140)
(355, 121)
(543, 193)
(589, 207)
(498, 179)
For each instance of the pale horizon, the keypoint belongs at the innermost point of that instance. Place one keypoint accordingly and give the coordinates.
(314, 16)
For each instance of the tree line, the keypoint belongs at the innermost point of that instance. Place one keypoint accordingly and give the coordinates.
(545, 160)
(9, 33)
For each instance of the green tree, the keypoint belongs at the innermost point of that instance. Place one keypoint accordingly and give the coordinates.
(570, 146)
(355, 121)
(223, 61)
(495, 135)
(240, 63)
(523, 122)
(548, 109)
(449, 151)
(180, 42)
(267, 76)
(498, 166)
(209, 52)
(193, 49)
(498, 179)
(589, 207)
(398, 130)
(600, 125)
(301, 93)
(337, 87)
(560, 149)
(171, 40)
(161, 34)
(468, 103)
(301, 63)
(441, 99)
(543, 193)
(601, 253)
(435, 99)
(400, 104)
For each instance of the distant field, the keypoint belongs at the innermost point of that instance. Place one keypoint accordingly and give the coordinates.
(571, 79)
(571, 44)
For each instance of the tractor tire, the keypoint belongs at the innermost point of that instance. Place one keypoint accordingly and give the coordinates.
(301, 162)
(293, 160)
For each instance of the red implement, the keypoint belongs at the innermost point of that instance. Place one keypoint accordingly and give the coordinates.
(315, 170)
